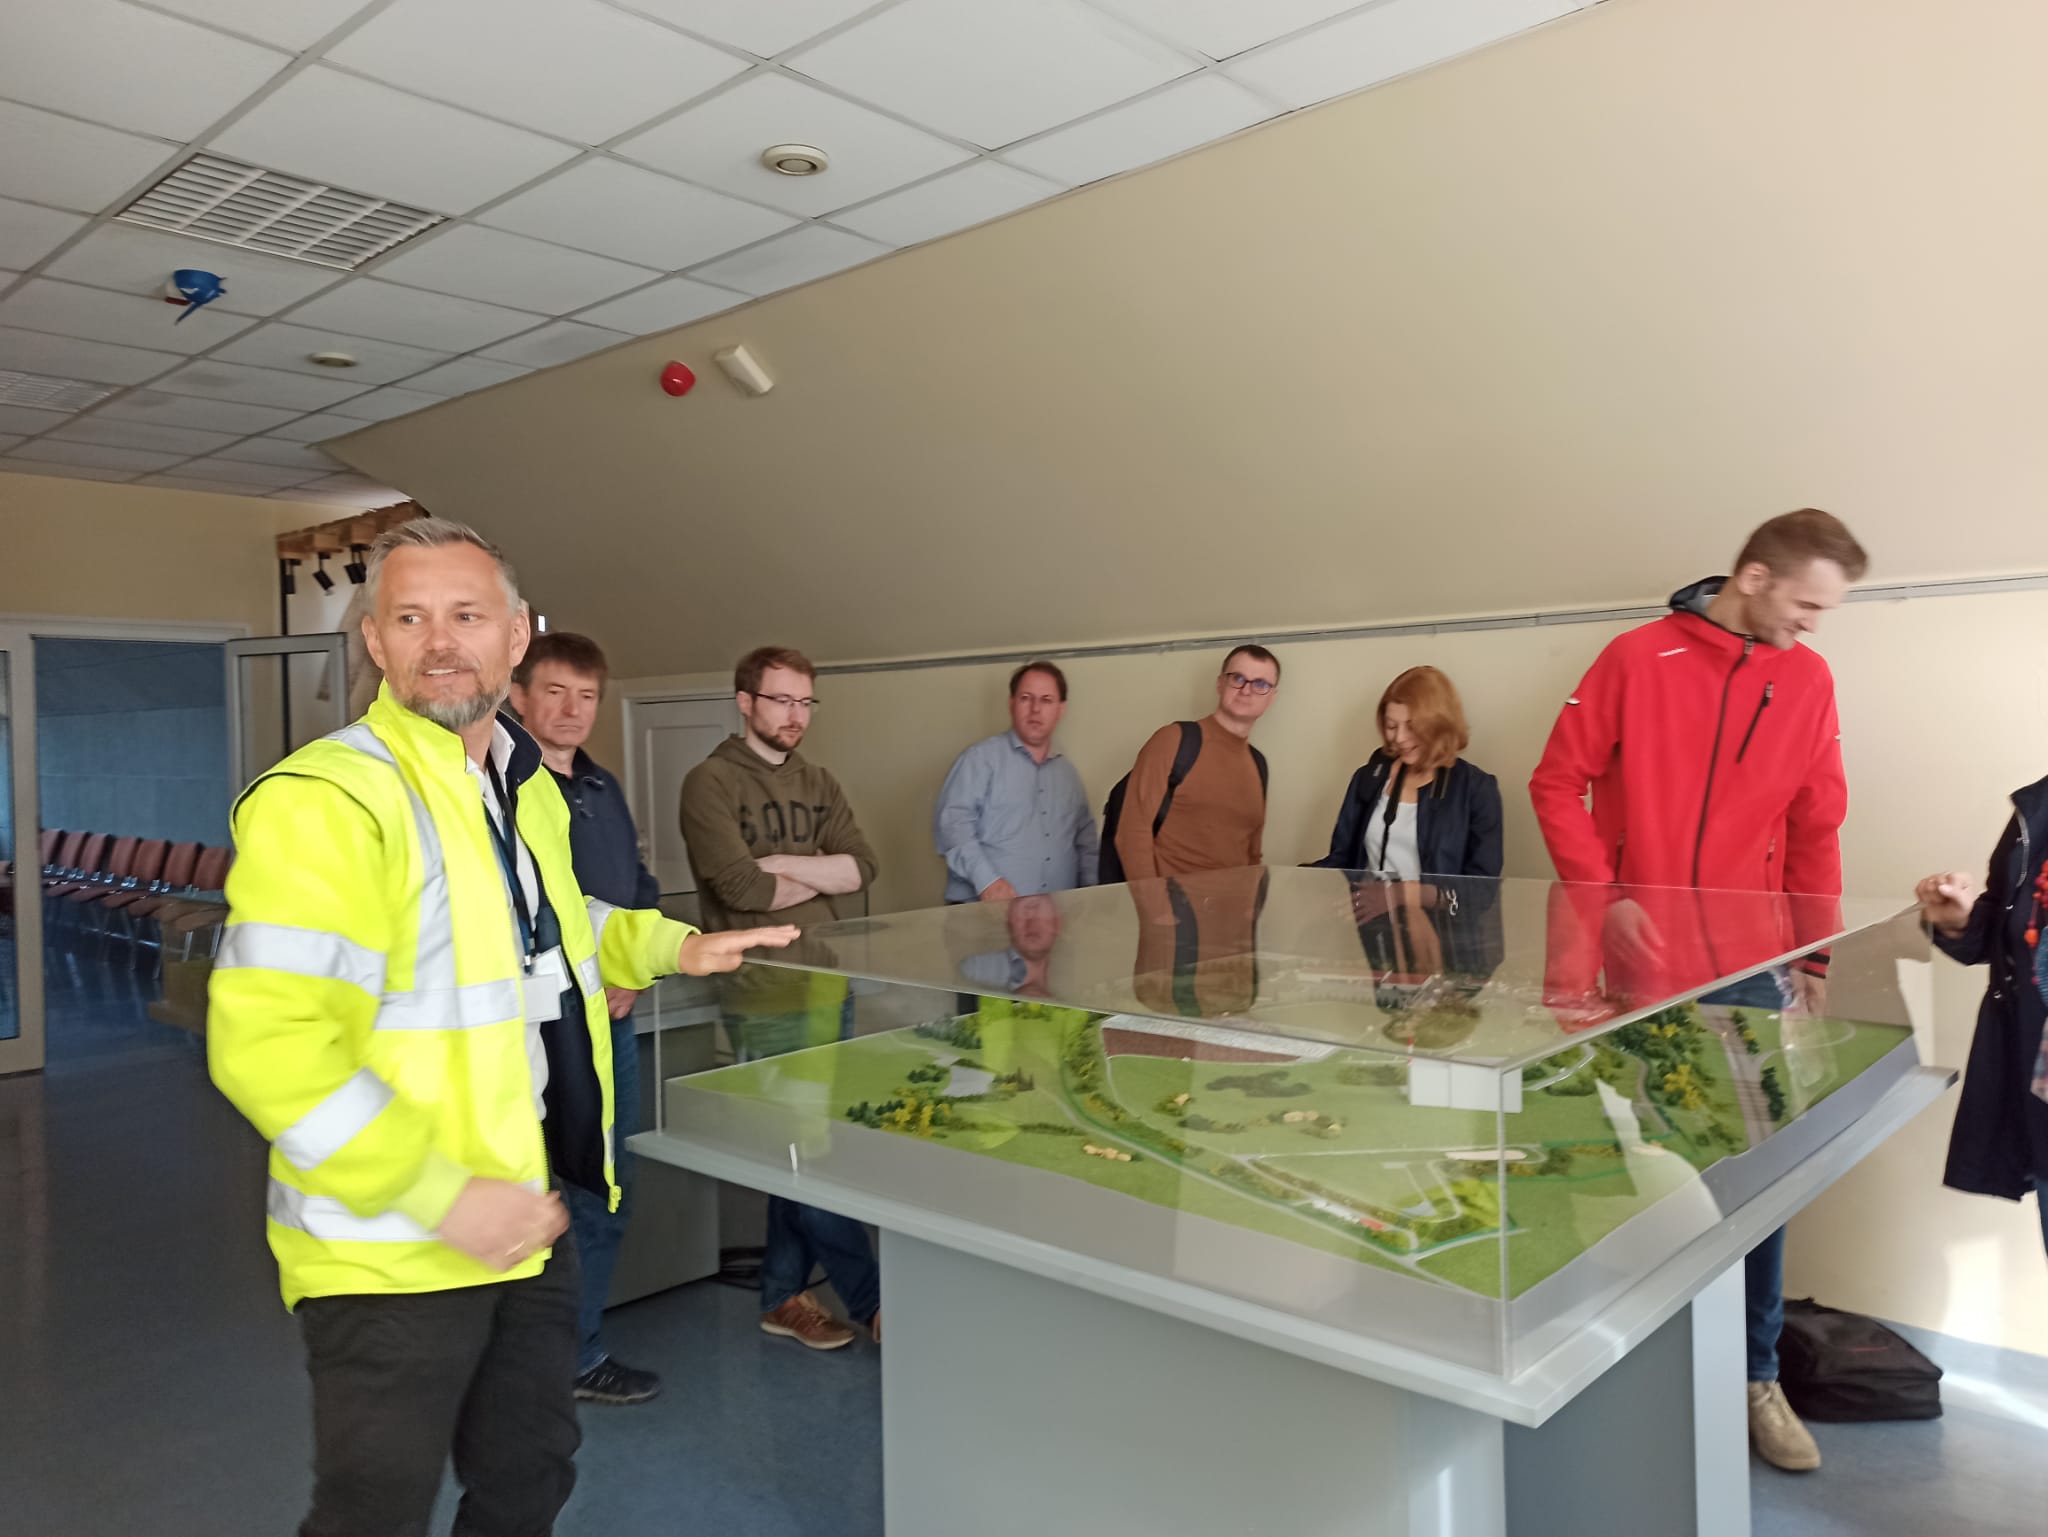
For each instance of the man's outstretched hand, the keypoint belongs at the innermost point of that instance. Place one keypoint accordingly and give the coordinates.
(705, 955)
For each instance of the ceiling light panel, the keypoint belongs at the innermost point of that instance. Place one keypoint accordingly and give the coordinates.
(758, 26)
(33, 402)
(292, 24)
(126, 66)
(137, 260)
(347, 132)
(620, 210)
(800, 256)
(1384, 41)
(69, 357)
(29, 233)
(576, 68)
(70, 309)
(1184, 115)
(224, 200)
(70, 164)
(974, 194)
(991, 71)
(719, 143)
(513, 270)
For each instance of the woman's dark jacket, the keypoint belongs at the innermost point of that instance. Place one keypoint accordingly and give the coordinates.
(1457, 820)
(2000, 1142)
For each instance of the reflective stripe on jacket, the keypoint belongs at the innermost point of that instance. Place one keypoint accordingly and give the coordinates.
(367, 1010)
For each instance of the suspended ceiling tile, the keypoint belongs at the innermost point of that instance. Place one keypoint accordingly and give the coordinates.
(465, 375)
(394, 313)
(141, 261)
(990, 71)
(29, 233)
(126, 66)
(67, 357)
(219, 380)
(382, 405)
(293, 24)
(98, 456)
(210, 487)
(974, 194)
(192, 411)
(663, 306)
(510, 269)
(758, 26)
(1221, 28)
(317, 428)
(70, 309)
(60, 160)
(237, 472)
(1384, 41)
(27, 419)
(620, 210)
(803, 254)
(9, 440)
(1184, 115)
(354, 486)
(561, 342)
(119, 432)
(367, 137)
(290, 456)
(719, 143)
(575, 68)
(278, 344)
(15, 465)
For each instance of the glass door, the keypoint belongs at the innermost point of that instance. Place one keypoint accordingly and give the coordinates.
(21, 860)
(283, 692)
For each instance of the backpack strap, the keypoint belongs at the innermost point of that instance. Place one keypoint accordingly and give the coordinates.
(1259, 758)
(1184, 757)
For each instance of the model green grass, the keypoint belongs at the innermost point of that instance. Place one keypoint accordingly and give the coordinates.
(1330, 1153)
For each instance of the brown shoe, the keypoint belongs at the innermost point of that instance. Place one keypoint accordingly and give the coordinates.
(1775, 1431)
(803, 1320)
(875, 1327)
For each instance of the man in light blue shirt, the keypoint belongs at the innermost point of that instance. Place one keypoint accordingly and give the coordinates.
(1013, 818)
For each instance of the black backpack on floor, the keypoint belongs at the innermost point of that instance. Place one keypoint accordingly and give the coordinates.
(1837, 1366)
(1109, 867)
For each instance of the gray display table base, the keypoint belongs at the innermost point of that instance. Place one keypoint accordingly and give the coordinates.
(1014, 1405)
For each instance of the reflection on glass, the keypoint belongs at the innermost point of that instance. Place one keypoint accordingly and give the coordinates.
(21, 884)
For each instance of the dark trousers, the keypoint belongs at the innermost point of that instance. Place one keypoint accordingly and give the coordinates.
(402, 1382)
(599, 1232)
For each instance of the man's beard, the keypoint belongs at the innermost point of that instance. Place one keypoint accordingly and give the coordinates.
(457, 714)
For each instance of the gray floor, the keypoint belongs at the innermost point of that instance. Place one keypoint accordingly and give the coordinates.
(150, 1382)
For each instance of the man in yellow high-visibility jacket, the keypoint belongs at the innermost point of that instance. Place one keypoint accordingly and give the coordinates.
(409, 1004)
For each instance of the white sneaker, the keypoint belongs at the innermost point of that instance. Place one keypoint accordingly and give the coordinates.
(1776, 1433)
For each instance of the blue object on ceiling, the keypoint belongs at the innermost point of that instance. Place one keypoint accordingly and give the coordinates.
(194, 289)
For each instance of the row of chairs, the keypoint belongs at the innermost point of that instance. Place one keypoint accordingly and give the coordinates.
(147, 893)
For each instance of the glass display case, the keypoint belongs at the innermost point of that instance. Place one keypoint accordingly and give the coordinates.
(1455, 1119)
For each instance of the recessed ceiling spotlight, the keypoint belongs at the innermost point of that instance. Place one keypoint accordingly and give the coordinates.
(794, 159)
(332, 359)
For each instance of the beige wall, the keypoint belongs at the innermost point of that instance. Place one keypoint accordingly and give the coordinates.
(1933, 741)
(92, 550)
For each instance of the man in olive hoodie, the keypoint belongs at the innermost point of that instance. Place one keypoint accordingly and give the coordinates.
(769, 832)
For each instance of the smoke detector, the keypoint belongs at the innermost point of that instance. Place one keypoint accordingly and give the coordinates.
(332, 359)
(795, 159)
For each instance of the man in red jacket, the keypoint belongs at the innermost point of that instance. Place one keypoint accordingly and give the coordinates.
(1711, 746)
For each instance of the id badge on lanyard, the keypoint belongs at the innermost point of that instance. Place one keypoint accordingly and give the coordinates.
(545, 973)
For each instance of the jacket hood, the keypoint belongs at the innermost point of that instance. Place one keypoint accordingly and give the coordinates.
(734, 750)
(1694, 599)
(2031, 801)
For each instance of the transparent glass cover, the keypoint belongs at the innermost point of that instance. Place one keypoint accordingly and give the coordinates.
(1460, 1115)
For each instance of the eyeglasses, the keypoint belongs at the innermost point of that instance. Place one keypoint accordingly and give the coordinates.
(788, 701)
(1241, 683)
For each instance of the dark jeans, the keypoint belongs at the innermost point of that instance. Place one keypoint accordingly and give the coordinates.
(402, 1381)
(599, 1232)
(1764, 1269)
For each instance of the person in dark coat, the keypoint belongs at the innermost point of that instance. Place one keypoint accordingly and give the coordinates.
(2000, 1142)
(1416, 808)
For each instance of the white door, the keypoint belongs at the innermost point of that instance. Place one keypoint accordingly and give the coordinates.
(665, 739)
(21, 917)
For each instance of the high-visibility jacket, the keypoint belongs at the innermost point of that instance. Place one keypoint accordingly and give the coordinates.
(367, 1009)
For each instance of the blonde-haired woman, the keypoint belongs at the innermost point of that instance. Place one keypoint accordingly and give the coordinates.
(1417, 809)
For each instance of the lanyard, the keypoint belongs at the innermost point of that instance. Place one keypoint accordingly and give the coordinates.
(501, 840)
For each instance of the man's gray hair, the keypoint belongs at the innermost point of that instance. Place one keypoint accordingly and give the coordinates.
(434, 534)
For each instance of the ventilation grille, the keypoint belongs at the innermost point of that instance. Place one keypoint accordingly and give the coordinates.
(50, 394)
(258, 210)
